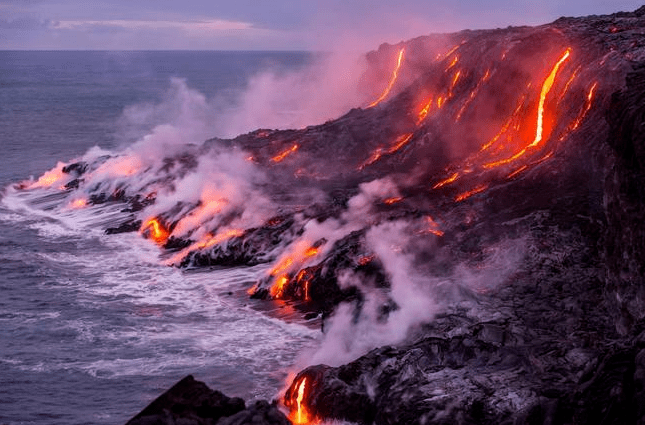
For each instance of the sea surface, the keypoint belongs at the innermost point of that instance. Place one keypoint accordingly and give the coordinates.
(93, 327)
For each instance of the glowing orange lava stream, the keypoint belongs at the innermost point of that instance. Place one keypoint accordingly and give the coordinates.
(156, 231)
(300, 415)
(282, 155)
(303, 251)
(395, 75)
(539, 132)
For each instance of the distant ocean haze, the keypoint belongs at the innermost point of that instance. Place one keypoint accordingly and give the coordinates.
(56, 104)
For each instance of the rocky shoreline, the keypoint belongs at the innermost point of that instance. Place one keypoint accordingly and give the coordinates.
(503, 180)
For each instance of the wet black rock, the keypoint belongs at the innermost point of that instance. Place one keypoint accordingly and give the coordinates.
(254, 246)
(191, 402)
(76, 168)
(125, 227)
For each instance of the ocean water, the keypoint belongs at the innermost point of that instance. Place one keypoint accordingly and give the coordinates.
(93, 327)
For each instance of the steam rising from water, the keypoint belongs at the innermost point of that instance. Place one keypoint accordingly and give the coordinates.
(207, 192)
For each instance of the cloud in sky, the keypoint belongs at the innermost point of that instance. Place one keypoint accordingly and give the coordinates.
(207, 25)
(262, 25)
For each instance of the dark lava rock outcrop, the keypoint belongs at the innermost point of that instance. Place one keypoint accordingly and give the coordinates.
(560, 341)
(191, 402)
(508, 167)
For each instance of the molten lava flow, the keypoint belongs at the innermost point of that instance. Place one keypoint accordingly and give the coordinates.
(586, 108)
(78, 203)
(221, 237)
(518, 171)
(395, 75)
(303, 279)
(209, 206)
(471, 192)
(433, 227)
(277, 289)
(446, 181)
(546, 88)
(455, 80)
(379, 152)
(282, 155)
(399, 143)
(299, 413)
(393, 200)
(425, 110)
(473, 94)
(49, 178)
(571, 79)
(453, 63)
(539, 132)
(155, 230)
(207, 242)
(450, 52)
(299, 255)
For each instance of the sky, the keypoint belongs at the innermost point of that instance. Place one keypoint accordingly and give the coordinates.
(265, 24)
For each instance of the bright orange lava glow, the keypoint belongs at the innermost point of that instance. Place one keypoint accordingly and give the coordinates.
(446, 181)
(379, 152)
(450, 52)
(206, 242)
(425, 110)
(471, 192)
(155, 230)
(539, 132)
(300, 254)
(49, 178)
(433, 227)
(472, 95)
(546, 88)
(393, 200)
(304, 280)
(399, 143)
(209, 205)
(395, 76)
(455, 80)
(518, 171)
(300, 415)
(453, 63)
(282, 155)
(79, 203)
(586, 108)
(220, 237)
(278, 286)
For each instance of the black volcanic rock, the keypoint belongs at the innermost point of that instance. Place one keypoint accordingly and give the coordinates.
(191, 402)
(624, 200)
(125, 227)
(521, 146)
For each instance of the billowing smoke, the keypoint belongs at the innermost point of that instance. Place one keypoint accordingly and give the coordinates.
(322, 91)
(415, 296)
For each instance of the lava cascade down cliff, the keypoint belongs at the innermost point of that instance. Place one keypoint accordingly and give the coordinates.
(494, 174)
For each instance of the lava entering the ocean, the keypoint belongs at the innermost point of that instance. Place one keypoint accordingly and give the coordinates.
(155, 230)
(299, 413)
(301, 252)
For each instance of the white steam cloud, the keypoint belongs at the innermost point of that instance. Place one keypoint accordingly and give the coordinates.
(418, 295)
